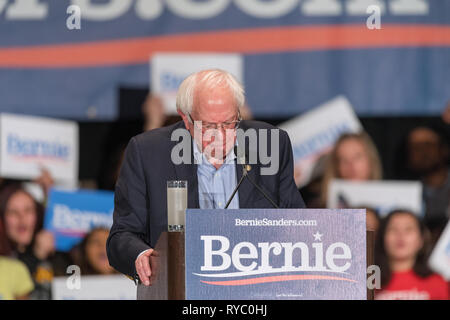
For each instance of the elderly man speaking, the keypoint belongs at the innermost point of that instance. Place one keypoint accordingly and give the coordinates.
(208, 101)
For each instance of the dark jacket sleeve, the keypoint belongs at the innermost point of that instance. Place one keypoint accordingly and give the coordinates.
(128, 232)
(289, 194)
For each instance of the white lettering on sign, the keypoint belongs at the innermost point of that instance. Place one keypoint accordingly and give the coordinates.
(74, 219)
(359, 7)
(103, 11)
(195, 10)
(266, 9)
(25, 10)
(247, 257)
(322, 8)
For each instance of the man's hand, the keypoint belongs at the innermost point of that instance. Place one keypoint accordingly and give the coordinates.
(142, 265)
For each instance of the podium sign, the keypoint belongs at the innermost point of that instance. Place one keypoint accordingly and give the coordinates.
(276, 254)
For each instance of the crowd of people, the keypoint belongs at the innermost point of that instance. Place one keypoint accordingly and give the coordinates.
(28, 258)
(404, 240)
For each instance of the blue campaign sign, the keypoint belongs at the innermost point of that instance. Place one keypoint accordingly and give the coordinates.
(70, 215)
(276, 254)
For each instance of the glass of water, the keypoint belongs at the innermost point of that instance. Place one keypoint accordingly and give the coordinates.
(176, 204)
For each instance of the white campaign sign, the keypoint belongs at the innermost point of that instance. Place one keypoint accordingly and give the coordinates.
(112, 287)
(29, 143)
(168, 70)
(440, 257)
(384, 196)
(314, 133)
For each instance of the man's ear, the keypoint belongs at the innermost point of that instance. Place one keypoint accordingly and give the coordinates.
(184, 117)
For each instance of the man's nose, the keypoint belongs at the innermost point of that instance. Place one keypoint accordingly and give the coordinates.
(220, 132)
(223, 130)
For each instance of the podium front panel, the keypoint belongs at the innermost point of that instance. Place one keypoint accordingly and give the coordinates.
(275, 254)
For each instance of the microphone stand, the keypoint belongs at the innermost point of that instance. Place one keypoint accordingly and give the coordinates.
(244, 175)
(260, 189)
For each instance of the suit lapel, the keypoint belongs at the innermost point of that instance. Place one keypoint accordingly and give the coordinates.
(247, 192)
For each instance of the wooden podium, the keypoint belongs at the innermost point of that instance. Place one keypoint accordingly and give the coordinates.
(168, 268)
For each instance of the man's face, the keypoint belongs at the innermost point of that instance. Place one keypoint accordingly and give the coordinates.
(424, 150)
(213, 107)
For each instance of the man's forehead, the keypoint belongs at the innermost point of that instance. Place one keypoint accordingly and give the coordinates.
(423, 134)
(213, 92)
(217, 103)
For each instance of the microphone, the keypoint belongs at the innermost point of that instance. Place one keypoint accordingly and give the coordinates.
(244, 173)
(245, 169)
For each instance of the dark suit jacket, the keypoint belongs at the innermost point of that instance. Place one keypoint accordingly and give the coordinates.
(140, 204)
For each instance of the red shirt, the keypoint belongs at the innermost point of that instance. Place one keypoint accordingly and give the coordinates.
(407, 285)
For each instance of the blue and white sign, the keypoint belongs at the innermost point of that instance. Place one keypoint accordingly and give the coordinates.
(391, 195)
(29, 143)
(168, 70)
(71, 215)
(314, 134)
(440, 257)
(102, 287)
(275, 254)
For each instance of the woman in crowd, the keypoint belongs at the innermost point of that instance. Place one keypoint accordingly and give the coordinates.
(354, 157)
(401, 252)
(22, 218)
(15, 279)
(92, 253)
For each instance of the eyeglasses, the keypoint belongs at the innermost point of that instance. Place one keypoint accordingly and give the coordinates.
(225, 125)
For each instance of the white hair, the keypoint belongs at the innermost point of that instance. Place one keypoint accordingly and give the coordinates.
(208, 79)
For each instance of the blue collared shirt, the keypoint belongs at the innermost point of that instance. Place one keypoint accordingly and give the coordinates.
(215, 186)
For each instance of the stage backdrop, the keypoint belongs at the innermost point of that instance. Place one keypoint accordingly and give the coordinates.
(297, 53)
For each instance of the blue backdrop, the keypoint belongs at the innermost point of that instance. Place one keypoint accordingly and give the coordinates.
(295, 58)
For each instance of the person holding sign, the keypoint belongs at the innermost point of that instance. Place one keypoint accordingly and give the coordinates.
(354, 157)
(22, 218)
(209, 104)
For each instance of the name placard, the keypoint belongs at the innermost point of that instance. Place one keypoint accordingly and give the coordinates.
(276, 254)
